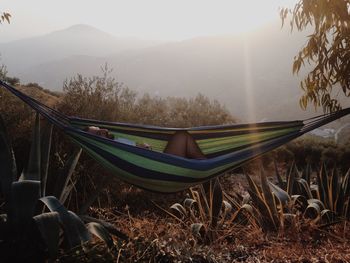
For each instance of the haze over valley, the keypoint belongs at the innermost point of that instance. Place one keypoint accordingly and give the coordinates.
(248, 72)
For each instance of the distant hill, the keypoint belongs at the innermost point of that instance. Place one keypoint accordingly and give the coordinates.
(22, 54)
(250, 73)
(48, 97)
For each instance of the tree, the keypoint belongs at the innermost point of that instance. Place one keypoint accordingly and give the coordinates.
(327, 50)
(4, 16)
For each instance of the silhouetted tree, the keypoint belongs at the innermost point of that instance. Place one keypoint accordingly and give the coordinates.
(327, 50)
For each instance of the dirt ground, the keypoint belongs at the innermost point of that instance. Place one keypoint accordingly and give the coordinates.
(156, 236)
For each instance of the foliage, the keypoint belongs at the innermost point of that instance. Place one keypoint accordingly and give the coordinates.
(26, 232)
(5, 17)
(3, 72)
(296, 200)
(311, 150)
(207, 212)
(327, 49)
(330, 187)
(104, 98)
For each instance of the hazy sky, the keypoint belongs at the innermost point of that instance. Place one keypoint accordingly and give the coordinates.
(147, 19)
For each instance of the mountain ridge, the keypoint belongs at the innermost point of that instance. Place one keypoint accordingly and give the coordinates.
(250, 73)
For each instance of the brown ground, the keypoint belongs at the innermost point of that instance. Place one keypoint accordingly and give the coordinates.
(155, 236)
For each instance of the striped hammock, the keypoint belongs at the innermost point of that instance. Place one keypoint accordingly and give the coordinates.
(226, 146)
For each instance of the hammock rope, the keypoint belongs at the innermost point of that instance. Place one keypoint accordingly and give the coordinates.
(225, 146)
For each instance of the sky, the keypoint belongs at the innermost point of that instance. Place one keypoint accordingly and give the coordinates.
(145, 19)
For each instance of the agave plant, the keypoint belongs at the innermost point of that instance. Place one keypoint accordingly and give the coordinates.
(331, 188)
(206, 210)
(28, 232)
(275, 208)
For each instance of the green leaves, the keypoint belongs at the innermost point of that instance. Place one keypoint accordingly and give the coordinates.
(75, 232)
(8, 171)
(326, 50)
(49, 227)
(21, 226)
(99, 231)
(24, 197)
(205, 212)
(33, 171)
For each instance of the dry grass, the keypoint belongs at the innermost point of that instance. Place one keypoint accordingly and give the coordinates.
(154, 236)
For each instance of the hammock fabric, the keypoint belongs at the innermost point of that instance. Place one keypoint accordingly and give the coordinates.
(226, 146)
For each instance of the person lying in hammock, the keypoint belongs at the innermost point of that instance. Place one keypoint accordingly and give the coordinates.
(105, 133)
(181, 143)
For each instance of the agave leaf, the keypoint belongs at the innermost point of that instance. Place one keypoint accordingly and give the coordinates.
(253, 187)
(45, 156)
(83, 231)
(304, 187)
(178, 210)
(24, 197)
(108, 226)
(198, 230)
(282, 195)
(323, 184)
(312, 211)
(291, 179)
(240, 216)
(345, 183)
(346, 209)
(236, 202)
(33, 170)
(334, 190)
(61, 188)
(318, 202)
(327, 216)
(8, 170)
(74, 229)
(202, 209)
(49, 227)
(216, 203)
(189, 203)
(262, 207)
(203, 197)
(281, 182)
(307, 173)
(315, 191)
(299, 202)
(268, 222)
(340, 196)
(99, 231)
(268, 197)
(67, 190)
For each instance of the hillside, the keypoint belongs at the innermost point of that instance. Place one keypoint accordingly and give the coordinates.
(20, 55)
(249, 73)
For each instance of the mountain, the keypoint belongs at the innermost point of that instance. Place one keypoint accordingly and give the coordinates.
(20, 55)
(250, 73)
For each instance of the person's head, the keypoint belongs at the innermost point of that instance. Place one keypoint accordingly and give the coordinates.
(100, 132)
(91, 129)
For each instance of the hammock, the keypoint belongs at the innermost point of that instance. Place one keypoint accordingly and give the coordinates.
(226, 146)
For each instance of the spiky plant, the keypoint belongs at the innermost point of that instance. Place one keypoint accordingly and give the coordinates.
(275, 208)
(27, 232)
(330, 187)
(208, 210)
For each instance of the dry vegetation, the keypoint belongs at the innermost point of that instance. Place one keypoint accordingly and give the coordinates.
(154, 233)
